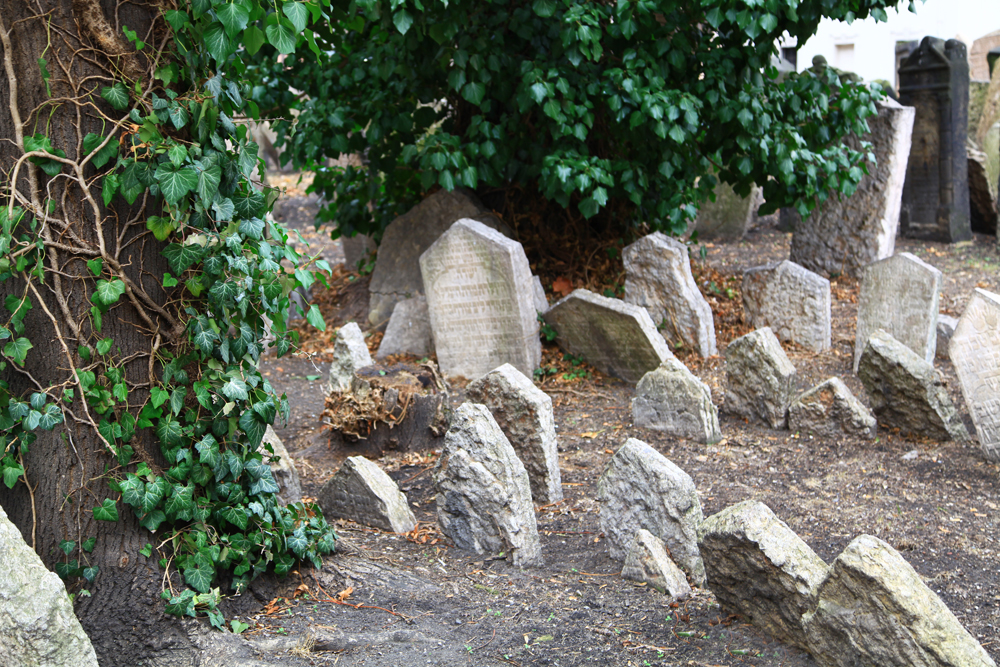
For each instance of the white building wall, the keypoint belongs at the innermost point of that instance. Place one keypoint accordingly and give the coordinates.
(869, 48)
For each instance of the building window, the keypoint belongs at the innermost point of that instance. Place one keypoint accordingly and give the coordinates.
(791, 54)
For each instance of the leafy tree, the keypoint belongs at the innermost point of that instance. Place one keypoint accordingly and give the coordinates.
(139, 277)
(632, 107)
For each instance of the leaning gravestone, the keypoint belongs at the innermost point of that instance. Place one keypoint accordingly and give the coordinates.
(350, 353)
(396, 275)
(729, 217)
(616, 337)
(671, 399)
(283, 469)
(481, 302)
(760, 380)
(845, 234)
(641, 488)
(900, 296)
(975, 351)
(648, 562)
(982, 193)
(37, 625)
(483, 495)
(408, 331)
(361, 492)
(792, 300)
(934, 79)
(658, 278)
(830, 410)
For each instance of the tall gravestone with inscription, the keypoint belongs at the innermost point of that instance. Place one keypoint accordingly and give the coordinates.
(935, 80)
(480, 300)
(975, 351)
(899, 295)
(792, 300)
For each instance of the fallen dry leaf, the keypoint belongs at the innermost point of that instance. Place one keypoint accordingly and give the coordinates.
(346, 593)
(562, 285)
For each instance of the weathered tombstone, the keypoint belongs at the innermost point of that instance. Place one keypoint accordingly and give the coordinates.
(481, 303)
(975, 351)
(991, 147)
(899, 295)
(349, 354)
(648, 562)
(935, 80)
(396, 275)
(616, 337)
(729, 217)
(408, 331)
(658, 278)
(538, 292)
(830, 410)
(845, 234)
(945, 330)
(793, 301)
(982, 193)
(990, 113)
(362, 492)
(760, 380)
(524, 414)
(671, 399)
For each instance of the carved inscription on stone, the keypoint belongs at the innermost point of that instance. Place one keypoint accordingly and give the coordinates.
(479, 297)
(975, 351)
(792, 300)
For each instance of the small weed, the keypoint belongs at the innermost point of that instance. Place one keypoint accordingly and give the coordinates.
(490, 612)
(469, 649)
(668, 618)
(238, 626)
(281, 631)
(547, 331)
(491, 591)
(552, 617)
(545, 370)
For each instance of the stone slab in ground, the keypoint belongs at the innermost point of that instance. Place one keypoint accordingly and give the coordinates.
(760, 379)
(481, 302)
(673, 400)
(408, 331)
(899, 295)
(729, 217)
(617, 338)
(790, 299)
(361, 492)
(648, 562)
(830, 410)
(975, 352)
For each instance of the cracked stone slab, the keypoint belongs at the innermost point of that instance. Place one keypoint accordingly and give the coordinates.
(760, 380)
(830, 410)
(671, 399)
(648, 562)
(792, 300)
(975, 352)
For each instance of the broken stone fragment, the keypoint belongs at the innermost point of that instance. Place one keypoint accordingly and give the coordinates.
(363, 493)
(830, 410)
(760, 380)
(349, 354)
(648, 562)
(672, 400)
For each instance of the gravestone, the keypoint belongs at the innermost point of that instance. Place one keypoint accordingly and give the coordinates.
(362, 492)
(408, 331)
(358, 249)
(617, 338)
(349, 354)
(982, 193)
(672, 400)
(648, 562)
(945, 330)
(990, 113)
(845, 234)
(991, 147)
(760, 380)
(658, 278)
(899, 295)
(975, 352)
(934, 79)
(792, 300)
(396, 275)
(729, 217)
(481, 301)
(830, 410)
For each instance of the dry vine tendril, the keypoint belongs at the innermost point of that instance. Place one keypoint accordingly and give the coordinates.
(170, 144)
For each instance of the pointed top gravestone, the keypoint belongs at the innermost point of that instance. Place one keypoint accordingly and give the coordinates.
(480, 300)
(899, 295)
(975, 351)
(792, 300)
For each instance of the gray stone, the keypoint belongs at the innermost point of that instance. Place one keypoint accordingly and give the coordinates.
(481, 302)
(524, 414)
(830, 410)
(906, 392)
(729, 217)
(945, 330)
(641, 488)
(361, 492)
(846, 234)
(793, 301)
(991, 147)
(409, 330)
(899, 295)
(648, 562)
(982, 193)
(37, 625)
(874, 609)
(396, 275)
(658, 278)
(541, 303)
(282, 467)
(483, 494)
(358, 249)
(349, 354)
(617, 338)
(975, 352)
(671, 399)
(758, 567)
(760, 380)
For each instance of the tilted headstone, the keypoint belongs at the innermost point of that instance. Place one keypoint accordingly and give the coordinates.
(991, 147)
(758, 567)
(830, 410)
(658, 278)
(408, 331)
(729, 217)
(672, 400)
(524, 414)
(874, 609)
(481, 302)
(845, 234)
(899, 295)
(982, 193)
(760, 379)
(945, 330)
(37, 623)
(483, 495)
(349, 354)
(793, 301)
(975, 352)
(641, 488)
(396, 275)
(615, 337)
(538, 292)
(362, 492)
(906, 392)
(934, 79)
(648, 562)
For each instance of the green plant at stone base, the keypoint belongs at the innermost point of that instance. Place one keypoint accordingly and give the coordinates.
(633, 108)
(171, 155)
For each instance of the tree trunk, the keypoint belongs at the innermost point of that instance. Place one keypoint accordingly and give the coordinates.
(67, 468)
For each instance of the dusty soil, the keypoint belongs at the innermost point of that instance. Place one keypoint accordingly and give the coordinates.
(424, 602)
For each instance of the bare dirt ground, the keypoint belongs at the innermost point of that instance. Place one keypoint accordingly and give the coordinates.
(424, 602)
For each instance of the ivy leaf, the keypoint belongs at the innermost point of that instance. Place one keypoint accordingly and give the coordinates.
(158, 396)
(181, 503)
(147, 550)
(107, 511)
(109, 187)
(183, 604)
(169, 432)
(177, 400)
(169, 281)
(11, 473)
(208, 450)
(234, 16)
(175, 182)
(177, 154)
(474, 92)
(265, 484)
(224, 209)
(402, 20)
(153, 520)
(205, 339)
(182, 256)
(199, 573)
(108, 292)
(116, 95)
(297, 542)
(252, 228)
(132, 490)
(179, 116)
(89, 573)
(217, 42)
(253, 427)
(296, 13)
(95, 265)
(88, 544)
(17, 350)
(104, 346)
(209, 178)
(237, 516)
(281, 37)
(160, 226)
(544, 8)
(315, 318)
(91, 142)
(235, 389)
(253, 39)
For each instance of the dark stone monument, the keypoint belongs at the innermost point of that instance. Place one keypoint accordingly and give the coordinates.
(934, 79)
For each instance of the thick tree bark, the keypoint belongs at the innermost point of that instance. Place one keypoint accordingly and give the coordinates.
(81, 41)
